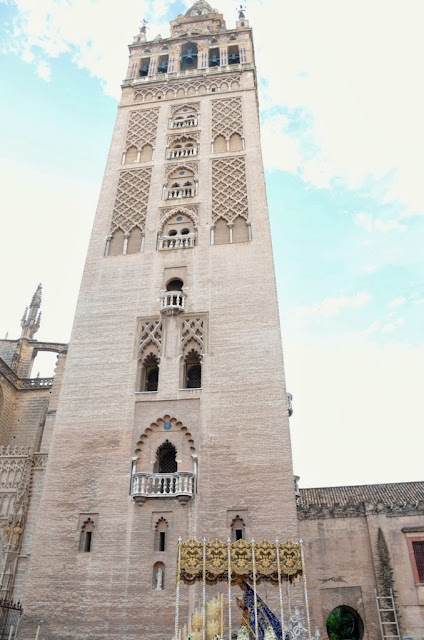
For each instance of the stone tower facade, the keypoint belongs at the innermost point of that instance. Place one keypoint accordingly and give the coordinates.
(173, 414)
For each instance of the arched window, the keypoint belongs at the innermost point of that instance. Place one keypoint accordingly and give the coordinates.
(131, 155)
(189, 56)
(236, 142)
(161, 530)
(184, 116)
(166, 458)
(158, 581)
(150, 373)
(86, 536)
(193, 370)
(176, 284)
(222, 232)
(181, 184)
(237, 529)
(146, 153)
(182, 147)
(178, 233)
(345, 622)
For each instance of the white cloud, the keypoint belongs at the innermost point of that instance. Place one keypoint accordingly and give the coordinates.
(397, 302)
(366, 221)
(333, 62)
(363, 412)
(330, 306)
(44, 71)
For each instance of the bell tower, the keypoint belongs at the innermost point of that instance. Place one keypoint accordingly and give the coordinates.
(173, 414)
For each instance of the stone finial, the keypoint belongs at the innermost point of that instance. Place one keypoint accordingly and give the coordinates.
(30, 322)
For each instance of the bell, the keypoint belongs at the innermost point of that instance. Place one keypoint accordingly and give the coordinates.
(163, 67)
(214, 61)
(189, 57)
(234, 58)
(144, 70)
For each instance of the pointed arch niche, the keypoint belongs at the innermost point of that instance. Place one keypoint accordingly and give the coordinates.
(165, 462)
(178, 229)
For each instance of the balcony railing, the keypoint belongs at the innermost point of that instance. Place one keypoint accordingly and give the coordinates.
(181, 124)
(182, 153)
(180, 192)
(179, 485)
(177, 242)
(172, 302)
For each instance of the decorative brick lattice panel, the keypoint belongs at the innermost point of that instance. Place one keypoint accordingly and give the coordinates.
(227, 117)
(142, 128)
(150, 334)
(193, 330)
(229, 192)
(131, 199)
(196, 84)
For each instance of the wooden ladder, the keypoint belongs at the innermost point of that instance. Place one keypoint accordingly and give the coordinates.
(387, 616)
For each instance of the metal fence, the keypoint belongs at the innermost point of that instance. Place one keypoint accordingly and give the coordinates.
(10, 613)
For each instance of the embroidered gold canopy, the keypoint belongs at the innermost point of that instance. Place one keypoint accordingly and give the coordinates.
(247, 561)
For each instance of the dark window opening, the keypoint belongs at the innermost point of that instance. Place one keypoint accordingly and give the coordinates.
(87, 541)
(189, 56)
(150, 373)
(166, 458)
(239, 534)
(163, 64)
(162, 538)
(418, 548)
(194, 376)
(144, 67)
(86, 536)
(233, 55)
(175, 285)
(214, 57)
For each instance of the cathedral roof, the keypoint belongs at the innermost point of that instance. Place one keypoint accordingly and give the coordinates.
(200, 8)
(387, 494)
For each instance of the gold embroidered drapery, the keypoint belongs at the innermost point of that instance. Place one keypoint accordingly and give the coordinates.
(241, 554)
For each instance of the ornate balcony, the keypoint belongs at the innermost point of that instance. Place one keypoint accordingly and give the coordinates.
(177, 242)
(163, 485)
(180, 192)
(182, 153)
(172, 303)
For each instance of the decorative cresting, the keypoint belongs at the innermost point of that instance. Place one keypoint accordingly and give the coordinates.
(270, 561)
(229, 191)
(142, 128)
(227, 118)
(182, 88)
(131, 200)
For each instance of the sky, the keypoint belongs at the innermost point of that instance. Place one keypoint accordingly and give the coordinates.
(342, 103)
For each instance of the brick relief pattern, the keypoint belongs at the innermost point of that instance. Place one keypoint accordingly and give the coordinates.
(150, 335)
(195, 87)
(131, 199)
(142, 128)
(227, 117)
(193, 331)
(229, 191)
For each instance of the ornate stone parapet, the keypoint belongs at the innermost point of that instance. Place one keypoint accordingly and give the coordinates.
(162, 485)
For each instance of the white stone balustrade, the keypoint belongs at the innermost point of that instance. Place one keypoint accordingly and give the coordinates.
(186, 122)
(180, 192)
(182, 153)
(163, 485)
(172, 302)
(177, 242)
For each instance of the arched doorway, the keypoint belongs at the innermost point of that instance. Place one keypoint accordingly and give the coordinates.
(344, 623)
